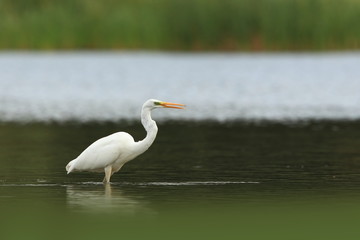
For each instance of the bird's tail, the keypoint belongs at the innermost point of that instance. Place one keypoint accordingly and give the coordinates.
(70, 166)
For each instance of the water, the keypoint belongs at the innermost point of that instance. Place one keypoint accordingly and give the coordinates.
(301, 176)
(86, 86)
(272, 153)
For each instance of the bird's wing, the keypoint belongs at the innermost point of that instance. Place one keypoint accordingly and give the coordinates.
(104, 152)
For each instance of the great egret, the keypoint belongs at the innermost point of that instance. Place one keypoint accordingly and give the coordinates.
(110, 153)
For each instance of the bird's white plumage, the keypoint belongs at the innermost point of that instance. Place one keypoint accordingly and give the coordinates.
(109, 154)
(115, 149)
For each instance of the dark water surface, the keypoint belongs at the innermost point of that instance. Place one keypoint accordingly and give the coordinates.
(198, 180)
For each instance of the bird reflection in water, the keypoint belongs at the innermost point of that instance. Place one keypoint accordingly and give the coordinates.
(104, 199)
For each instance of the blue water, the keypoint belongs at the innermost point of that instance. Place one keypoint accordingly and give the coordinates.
(85, 86)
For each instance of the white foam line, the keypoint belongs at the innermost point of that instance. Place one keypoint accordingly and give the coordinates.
(191, 183)
(30, 185)
(91, 183)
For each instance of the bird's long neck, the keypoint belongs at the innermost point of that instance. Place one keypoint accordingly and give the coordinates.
(151, 130)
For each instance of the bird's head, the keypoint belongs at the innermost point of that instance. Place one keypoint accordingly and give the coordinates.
(153, 103)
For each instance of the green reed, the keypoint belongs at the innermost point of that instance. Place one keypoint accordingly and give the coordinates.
(180, 24)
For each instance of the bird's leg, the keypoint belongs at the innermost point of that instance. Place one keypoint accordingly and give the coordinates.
(108, 171)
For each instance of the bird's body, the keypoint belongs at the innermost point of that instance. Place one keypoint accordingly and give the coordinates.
(115, 150)
(110, 153)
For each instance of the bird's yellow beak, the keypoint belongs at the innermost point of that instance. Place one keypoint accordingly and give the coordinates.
(172, 105)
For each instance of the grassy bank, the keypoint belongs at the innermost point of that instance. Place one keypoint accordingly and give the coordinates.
(180, 24)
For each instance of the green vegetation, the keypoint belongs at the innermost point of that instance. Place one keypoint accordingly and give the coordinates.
(180, 24)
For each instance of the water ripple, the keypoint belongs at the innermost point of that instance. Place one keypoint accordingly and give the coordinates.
(189, 183)
(63, 87)
(194, 183)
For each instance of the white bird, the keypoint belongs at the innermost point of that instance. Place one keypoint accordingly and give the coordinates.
(110, 153)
